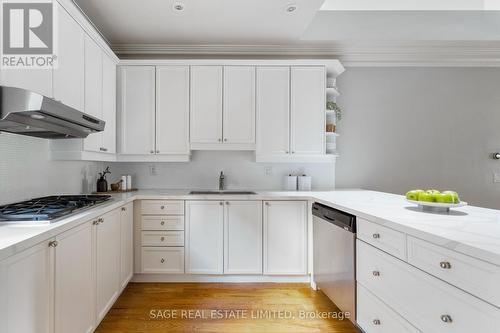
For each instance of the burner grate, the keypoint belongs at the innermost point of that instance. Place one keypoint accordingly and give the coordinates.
(48, 208)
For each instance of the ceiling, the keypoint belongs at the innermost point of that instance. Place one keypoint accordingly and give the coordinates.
(356, 31)
(201, 21)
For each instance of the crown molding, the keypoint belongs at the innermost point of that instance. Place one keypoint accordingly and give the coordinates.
(417, 53)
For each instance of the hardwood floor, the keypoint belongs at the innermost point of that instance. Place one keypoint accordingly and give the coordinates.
(218, 307)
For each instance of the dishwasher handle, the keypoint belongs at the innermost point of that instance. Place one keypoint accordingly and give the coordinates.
(334, 216)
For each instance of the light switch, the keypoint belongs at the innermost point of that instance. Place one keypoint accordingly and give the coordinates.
(269, 171)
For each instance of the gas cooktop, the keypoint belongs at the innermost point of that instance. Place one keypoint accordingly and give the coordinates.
(48, 208)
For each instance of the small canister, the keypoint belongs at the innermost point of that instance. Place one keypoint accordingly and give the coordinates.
(124, 183)
(290, 183)
(129, 182)
(304, 183)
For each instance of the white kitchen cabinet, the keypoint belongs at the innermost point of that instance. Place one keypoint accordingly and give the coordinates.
(136, 104)
(107, 261)
(204, 243)
(27, 291)
(69, 75)
(126, 244)
(206, 105)
(93, 90)
(308, 104)
(239, 105)
(108, 136)
(273, 111)
(285, 237)
(75, 280)
(243, 237)
(172, 110)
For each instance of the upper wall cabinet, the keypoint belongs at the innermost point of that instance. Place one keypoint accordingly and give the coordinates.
(136, 104)
(307, 113)
(291, 114)
(222, 107)
(206, 105)
(153, 113)
(69, 75)
(172, 110)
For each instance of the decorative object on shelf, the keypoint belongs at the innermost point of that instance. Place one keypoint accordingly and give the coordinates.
(102, 183)
(330, 128)
(116, 186)
(332, 106)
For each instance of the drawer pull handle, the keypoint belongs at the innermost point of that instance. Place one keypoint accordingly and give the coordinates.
(162, 207)
(376, 273)
(162, 260)
(53, 244)
(445, 265)
(162, 239)
(376, 236)
(162, 222)
(446, 319)
(376, 322)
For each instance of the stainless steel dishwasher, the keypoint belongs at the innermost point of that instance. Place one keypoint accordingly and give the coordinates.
(334, 243)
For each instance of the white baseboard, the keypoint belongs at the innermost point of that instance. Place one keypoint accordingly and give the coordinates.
(221, 278)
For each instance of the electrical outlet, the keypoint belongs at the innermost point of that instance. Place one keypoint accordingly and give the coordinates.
(268, 171)
(152, 170)
(496, 177)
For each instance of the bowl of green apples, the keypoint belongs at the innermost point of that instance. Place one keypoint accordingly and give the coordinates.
(434, 200)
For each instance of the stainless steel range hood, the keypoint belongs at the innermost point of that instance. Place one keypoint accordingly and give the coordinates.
(28, 113)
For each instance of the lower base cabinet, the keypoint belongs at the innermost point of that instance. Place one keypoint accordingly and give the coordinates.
(285, 237)
(68, 283)
(107, 261)
(373, 316)
(204, 237)
(75, 280)
(27, 291)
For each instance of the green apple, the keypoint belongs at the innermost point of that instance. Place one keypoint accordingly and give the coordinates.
(444, 197)
(456, 198)
(426, 196)
(413, 195)
(433, 191)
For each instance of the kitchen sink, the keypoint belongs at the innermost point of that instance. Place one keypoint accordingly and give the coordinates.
(223, 192)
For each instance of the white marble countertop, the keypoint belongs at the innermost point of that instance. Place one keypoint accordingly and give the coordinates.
(469, 230)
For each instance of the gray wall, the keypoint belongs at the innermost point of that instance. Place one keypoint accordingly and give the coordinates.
(406, 128)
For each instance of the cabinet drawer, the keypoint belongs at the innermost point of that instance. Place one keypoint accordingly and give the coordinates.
(426, 302)
(162, 222)
(373, 316)
(162, 207)
(162, 260)
(386, 239)
(162, 238)
(472, 275)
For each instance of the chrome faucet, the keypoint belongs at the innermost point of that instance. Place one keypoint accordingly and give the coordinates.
(221, 181)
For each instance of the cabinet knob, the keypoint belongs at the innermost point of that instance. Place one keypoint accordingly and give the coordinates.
(103, 149)
(268, 204)
(376, 236)
(219, 140)
(446, 319)
(157, 151)
(124, 209)
(293, 152)
(95, 222)
(287, 152)
(162, 223)
(221, 203)
(162, 207)
(53, 244)
(162, 260)
(376, 273)
(376, 321)
(445, 265)
(227, 202)
(162, 239)
(100, 220)
(225, 139)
